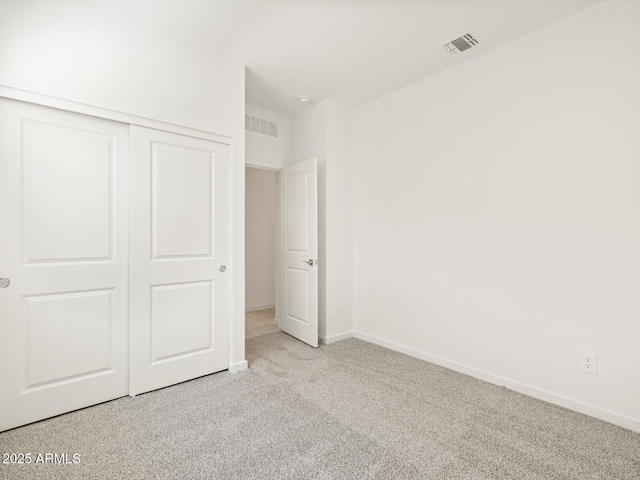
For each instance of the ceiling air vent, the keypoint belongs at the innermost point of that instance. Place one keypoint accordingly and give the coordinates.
(260, 126)
(461, 44)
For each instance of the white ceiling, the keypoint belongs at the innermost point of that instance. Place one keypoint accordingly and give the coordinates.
(353, 50)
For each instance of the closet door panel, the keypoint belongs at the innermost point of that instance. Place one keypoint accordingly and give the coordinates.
(63, 248)
(179, 254)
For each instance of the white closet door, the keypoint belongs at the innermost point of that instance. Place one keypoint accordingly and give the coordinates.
(179, 253)
(63, 248)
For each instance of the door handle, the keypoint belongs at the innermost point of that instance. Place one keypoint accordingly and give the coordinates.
(4, 282)
(311, 262)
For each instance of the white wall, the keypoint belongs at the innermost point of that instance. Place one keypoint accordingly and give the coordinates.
(260, 238)
(339, 221)
(325, 130)
(264, 151)
(496, 214)
(76, 51)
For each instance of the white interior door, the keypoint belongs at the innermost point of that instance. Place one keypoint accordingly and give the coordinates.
(179, 253)
(299, 251)
(63, 248)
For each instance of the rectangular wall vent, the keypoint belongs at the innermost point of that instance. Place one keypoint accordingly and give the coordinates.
(260, 126)
(461, 44)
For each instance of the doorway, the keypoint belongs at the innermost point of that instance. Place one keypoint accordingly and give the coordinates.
(261, 265)
(281, 251)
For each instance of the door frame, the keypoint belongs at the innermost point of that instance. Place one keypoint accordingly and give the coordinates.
(237, 360)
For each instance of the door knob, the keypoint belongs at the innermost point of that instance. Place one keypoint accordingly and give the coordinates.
(223, 268)
(310, 262)
(4, 282)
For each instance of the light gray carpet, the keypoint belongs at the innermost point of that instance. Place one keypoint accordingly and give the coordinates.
(350, 410)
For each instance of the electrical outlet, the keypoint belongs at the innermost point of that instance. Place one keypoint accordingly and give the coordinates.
(338, 309)
(588, 362)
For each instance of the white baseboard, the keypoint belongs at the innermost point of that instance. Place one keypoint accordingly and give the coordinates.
(238, 367)
(540, 394)
(260, 307)
(334, 338)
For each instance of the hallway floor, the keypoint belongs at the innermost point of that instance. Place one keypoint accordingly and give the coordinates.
(260, 322)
